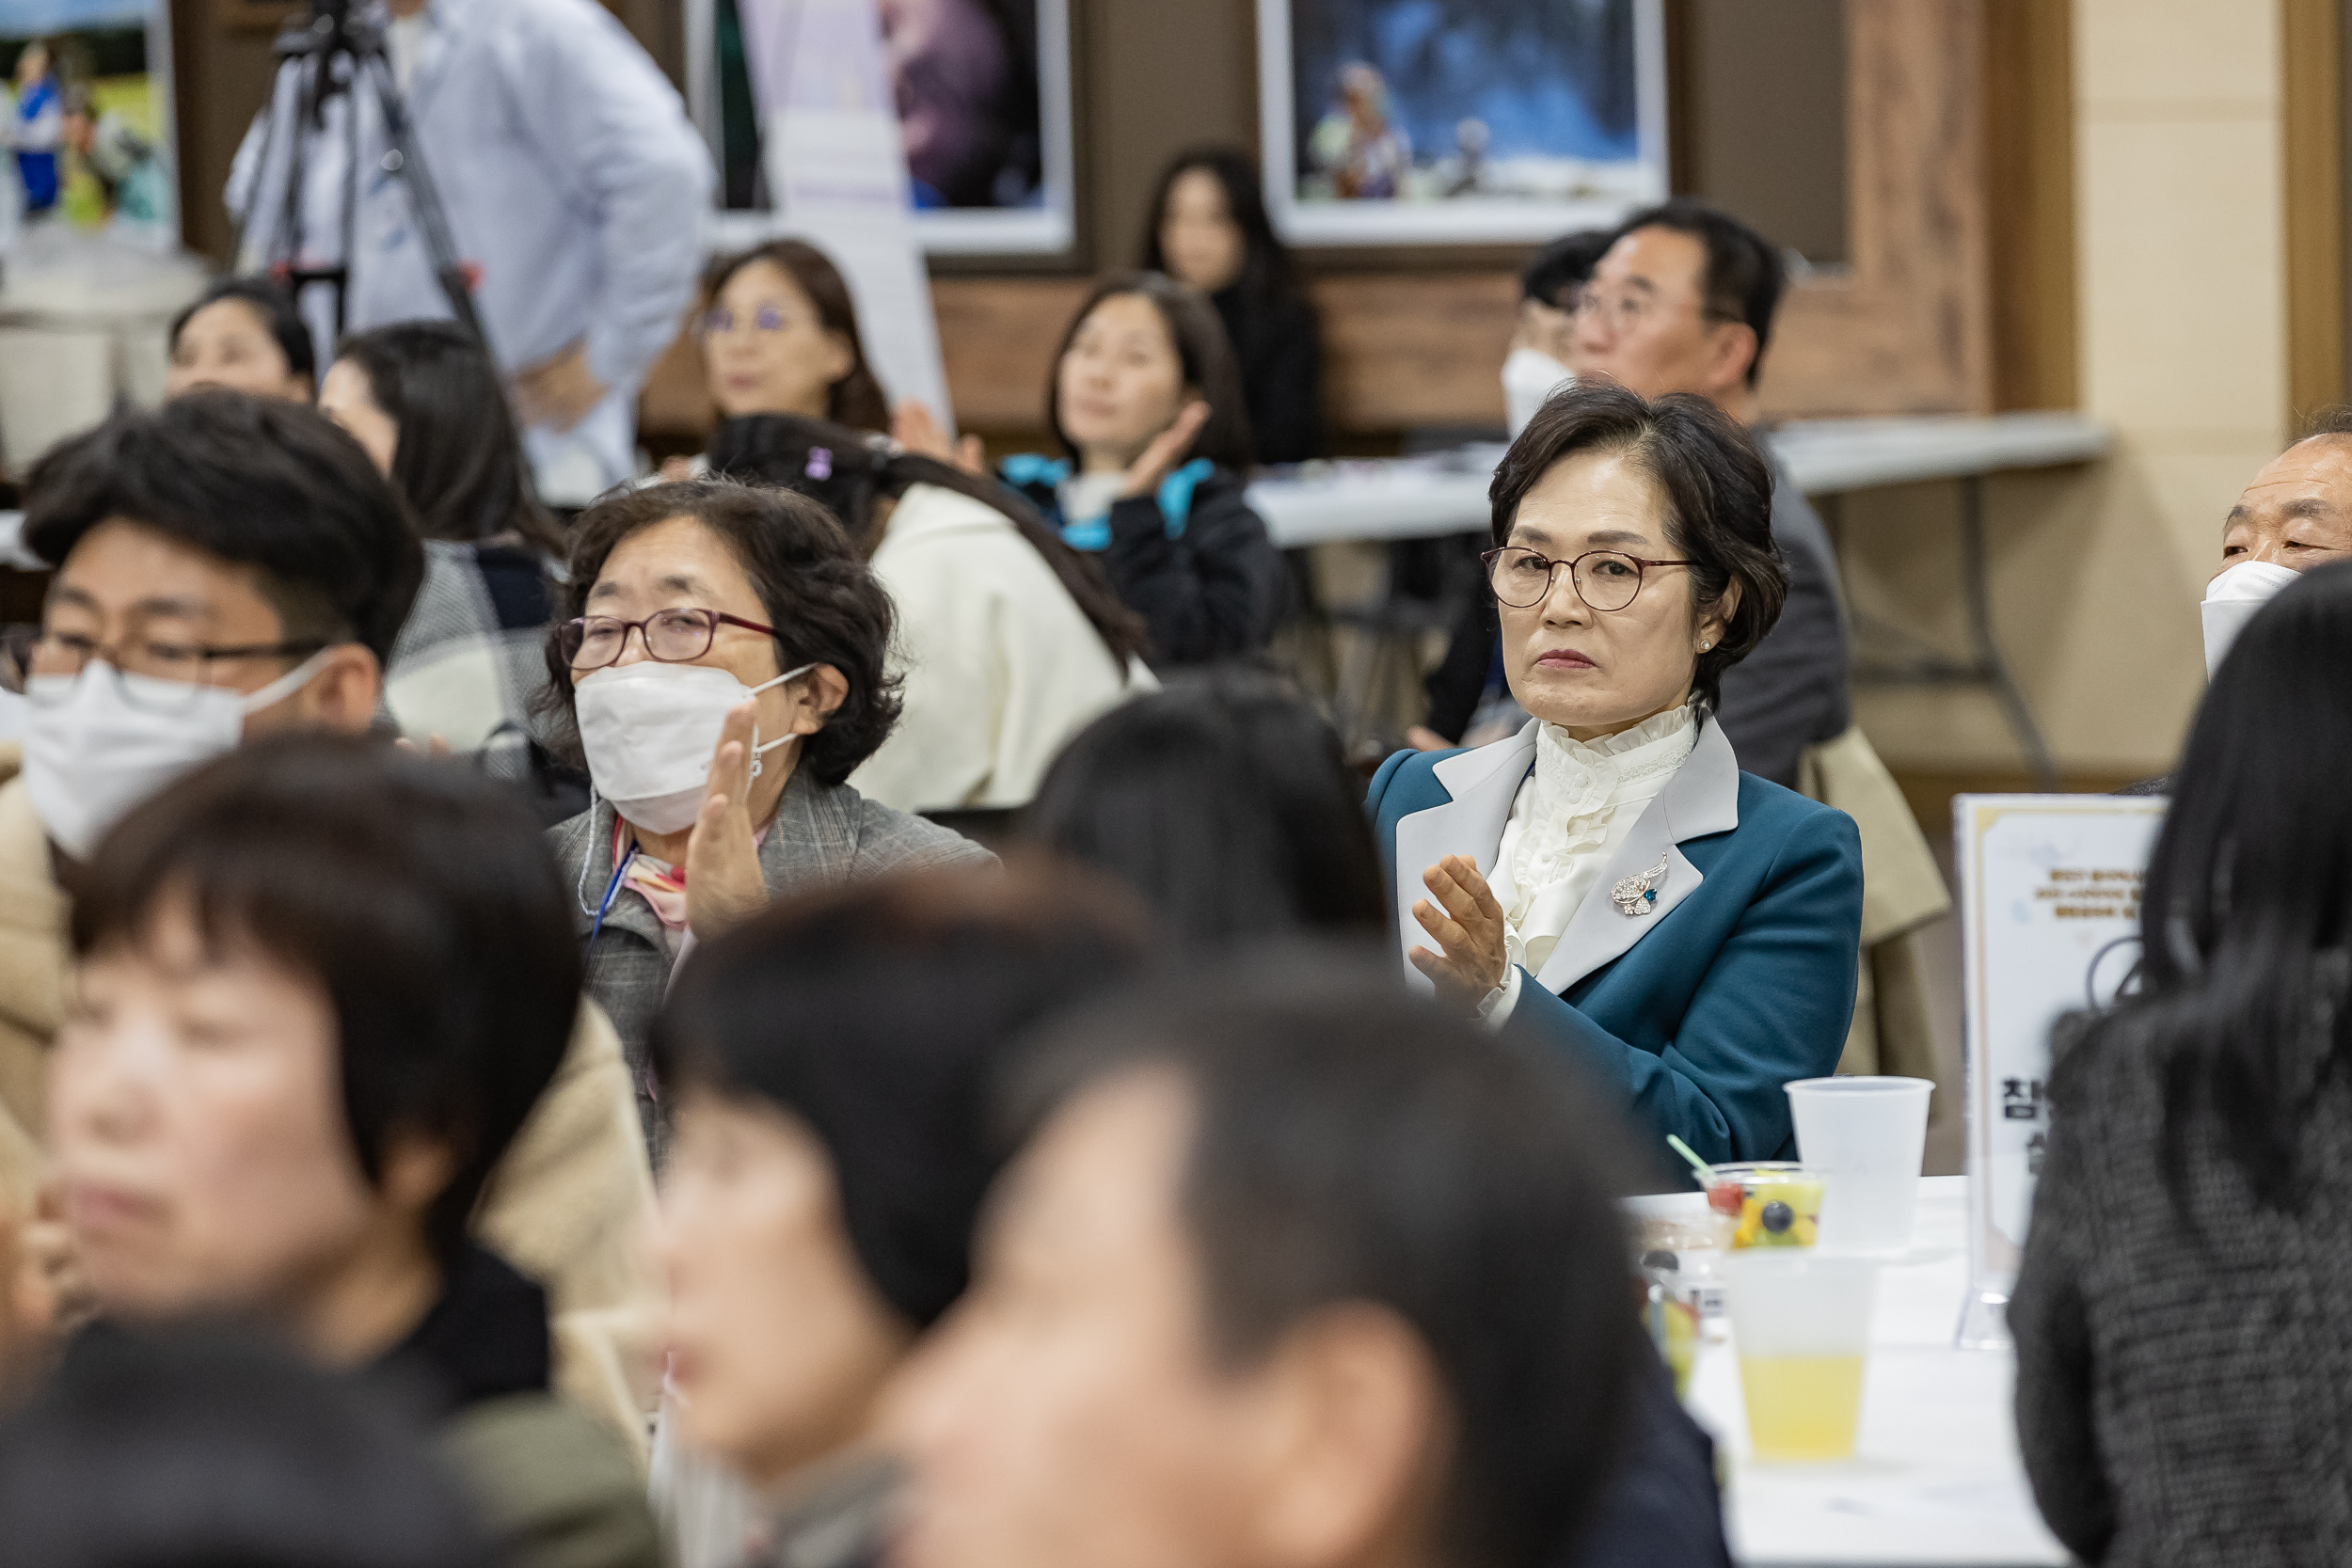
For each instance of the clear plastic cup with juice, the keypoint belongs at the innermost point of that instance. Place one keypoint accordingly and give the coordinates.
(1801, 1319)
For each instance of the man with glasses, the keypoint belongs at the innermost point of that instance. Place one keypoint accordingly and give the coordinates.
(229, 568)
(1682, 301)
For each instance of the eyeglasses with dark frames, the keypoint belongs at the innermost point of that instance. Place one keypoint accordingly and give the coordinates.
(1605, 579)
(671, 636)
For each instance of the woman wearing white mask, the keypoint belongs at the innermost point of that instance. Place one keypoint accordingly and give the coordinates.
(1536, 367)
(720, 665)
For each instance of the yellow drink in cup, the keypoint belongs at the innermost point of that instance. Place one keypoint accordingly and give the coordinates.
(1801, 1319)
(1802, 1406)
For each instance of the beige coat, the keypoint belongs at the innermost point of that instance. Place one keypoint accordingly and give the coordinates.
(569, 1205)
(1902, 890)
(1001, 667)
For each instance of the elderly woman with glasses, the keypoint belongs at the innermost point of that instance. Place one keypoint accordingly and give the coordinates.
(720, 671)
(1607, 879)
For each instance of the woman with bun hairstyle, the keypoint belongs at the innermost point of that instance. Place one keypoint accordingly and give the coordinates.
(1009, 641)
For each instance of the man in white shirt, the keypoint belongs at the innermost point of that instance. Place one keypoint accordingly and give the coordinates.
(575, 187)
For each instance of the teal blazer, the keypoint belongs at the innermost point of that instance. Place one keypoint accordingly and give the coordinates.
(1735, 979)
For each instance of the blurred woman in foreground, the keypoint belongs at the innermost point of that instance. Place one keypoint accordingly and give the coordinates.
(831, 1065)
(2183, 1380)
(320, 984)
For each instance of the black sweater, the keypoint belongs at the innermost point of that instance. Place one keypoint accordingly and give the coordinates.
(2183, 1378)
(1214, 589)
(1277, 347)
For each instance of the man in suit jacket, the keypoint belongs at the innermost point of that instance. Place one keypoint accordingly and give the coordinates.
(1683, 302)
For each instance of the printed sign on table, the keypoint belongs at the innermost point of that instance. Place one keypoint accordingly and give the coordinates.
(2050, 916)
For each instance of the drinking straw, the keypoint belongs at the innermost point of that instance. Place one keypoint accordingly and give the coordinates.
(1706, 1172)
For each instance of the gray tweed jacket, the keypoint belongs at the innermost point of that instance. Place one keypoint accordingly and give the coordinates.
(2185, 1380)
(823, 836)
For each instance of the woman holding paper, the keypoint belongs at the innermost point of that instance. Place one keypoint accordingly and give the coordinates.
(1607, 879)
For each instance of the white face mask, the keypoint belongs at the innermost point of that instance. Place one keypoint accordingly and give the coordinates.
(1529, 376)
(2231, 600)
(649, 730)
(98, 743)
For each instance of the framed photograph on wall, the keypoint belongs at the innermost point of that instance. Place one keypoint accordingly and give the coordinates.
(86, 91)
(982, 88)
(1463, 121)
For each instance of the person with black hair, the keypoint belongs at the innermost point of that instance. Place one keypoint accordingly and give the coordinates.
(1009, 641)
(1225, 802)
(2182, 1369)
(721, 672)
(1208, 227)
(1291, 1267)
(320, 984)
(228, 568)
(243, 334)
(831, 1063)
(198, 1447)
(425, 403)
(1155, 432)
(1683, 301)
(1548, 288)
(1609, 879)
(1466, 690)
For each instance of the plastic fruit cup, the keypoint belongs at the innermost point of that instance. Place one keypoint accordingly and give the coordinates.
(1778, 1203)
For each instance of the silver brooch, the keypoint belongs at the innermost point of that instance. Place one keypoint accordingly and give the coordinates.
(1639, 894)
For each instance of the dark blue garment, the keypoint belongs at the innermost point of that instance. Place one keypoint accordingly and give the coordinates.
(1737, 980)
(1193, 559)
(1662, 1508)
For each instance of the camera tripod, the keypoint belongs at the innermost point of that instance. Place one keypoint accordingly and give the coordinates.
(314, 45)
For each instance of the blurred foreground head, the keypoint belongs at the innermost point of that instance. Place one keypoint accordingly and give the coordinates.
(201, 1451)
(830, 1064)
(1225, 801)
(1295, 1271)
(320, 983)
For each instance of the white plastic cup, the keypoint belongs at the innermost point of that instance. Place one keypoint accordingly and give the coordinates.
(1801, 1319)
(1867, 1135)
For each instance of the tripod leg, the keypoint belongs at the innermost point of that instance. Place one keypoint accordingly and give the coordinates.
(405, 159)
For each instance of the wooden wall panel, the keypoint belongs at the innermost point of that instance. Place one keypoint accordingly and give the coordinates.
(1400, 351)
(2311, 44)
(1906, 330)
(2029, 169)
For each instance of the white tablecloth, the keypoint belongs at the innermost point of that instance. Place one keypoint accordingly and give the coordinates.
(1443, 493)
(1936, 1476)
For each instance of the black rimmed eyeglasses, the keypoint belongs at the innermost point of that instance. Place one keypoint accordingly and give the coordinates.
(671, 636)
(1605, 579)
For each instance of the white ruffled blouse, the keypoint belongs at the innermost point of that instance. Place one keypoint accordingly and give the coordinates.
(1569, 816)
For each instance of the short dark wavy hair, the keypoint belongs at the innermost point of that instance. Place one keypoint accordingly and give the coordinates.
(826, 606)
(1719, 499)
(256, 482)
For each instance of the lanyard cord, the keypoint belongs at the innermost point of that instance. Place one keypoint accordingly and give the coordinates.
(611, 889)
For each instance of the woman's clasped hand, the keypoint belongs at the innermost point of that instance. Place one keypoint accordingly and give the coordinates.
(1474, 954)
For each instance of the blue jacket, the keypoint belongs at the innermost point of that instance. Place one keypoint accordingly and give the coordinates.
(1740, 977)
